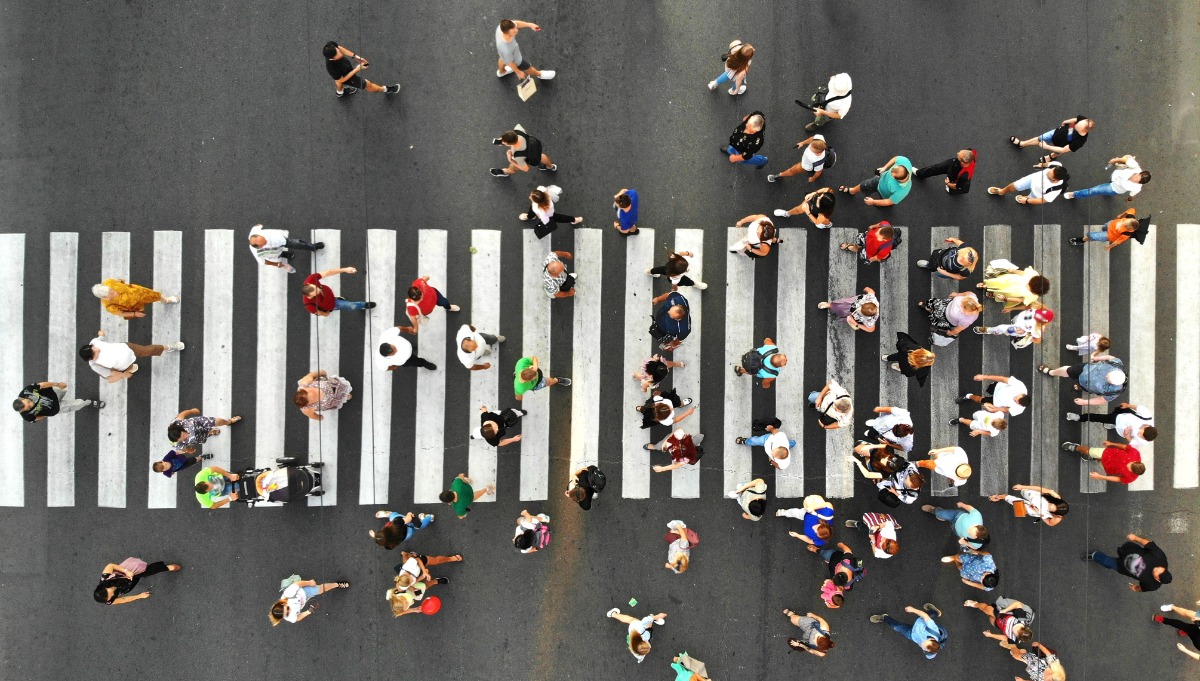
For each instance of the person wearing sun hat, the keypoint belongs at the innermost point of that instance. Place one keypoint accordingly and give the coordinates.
(833, 102)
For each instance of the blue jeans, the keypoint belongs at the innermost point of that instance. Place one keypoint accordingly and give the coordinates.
(826, 554)
(947, 514)
(412, 527)
(344, 305)
(1105, 189)
(812, 397)
(899, 627)
(1105, 560)
(727, 77)
(760, 440)
(1098, 236)
(757, 160)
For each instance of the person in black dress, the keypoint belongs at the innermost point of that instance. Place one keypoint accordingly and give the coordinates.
(911, 358)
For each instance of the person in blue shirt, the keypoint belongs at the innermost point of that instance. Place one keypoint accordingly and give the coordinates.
(174, 462)
(626, 205)
(673, 320)
(766, 369)
(925, 632)
(967, 521)
(1103, 376)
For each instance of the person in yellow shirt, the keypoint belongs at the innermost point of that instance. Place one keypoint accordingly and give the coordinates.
(128, 300)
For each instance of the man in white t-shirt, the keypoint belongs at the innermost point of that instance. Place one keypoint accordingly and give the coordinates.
(1132, 422)
(775, 443)
(1007, 394)
(983, 422)
(474, 345)
(811, 161)
(1128, 178)
(1043, 186)
(273, 247)
(893, 426)
(397, 351)
(833, 103)
(118, 361)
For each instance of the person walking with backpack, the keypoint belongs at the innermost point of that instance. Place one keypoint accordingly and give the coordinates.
(752, 497)
(1070, 135)
(763, 363)
(746, 141)
(814, 633)
(737, 67)
(831, 101)
(586, 484)
(816, 157)
(956, 262)
(876, 244)
(532, 533)
(817, 206)
(117, 580)
(522, 149)
(673, 321)
(393, 533)
(1102, 376)
(1012, 617)
(680, 541)
(881, 531)
(494, 426)
(893, 181)
(640, 631)
(834, 407)
(39, 401)
(1116, 232)
(1132, 422)
(1138, 558)
(959, 171)
(654, 371)
(775, 443)
(760, 235)
(1128, 178)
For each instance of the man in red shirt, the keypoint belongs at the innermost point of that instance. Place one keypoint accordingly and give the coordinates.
(1121, 462)
(319, 298)
(422, 298)
(875, 244)
(683, 448)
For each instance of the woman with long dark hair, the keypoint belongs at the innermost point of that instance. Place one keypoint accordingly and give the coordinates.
(116, 580)
(737, 65)
(541, 211)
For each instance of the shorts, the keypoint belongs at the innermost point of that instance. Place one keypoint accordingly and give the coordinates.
(1047, 137)
(358, 82)
(311, 591)
(1076, 371)
(1095, 452)
(1026, 183)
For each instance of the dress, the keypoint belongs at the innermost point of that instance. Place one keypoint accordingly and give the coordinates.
(198, 429)
(946, 314)
(130, 297)
(335, 391)
(1013, 287)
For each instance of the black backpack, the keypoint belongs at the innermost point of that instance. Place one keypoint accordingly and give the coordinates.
(753, 362)
(596, 479)
(830, 158)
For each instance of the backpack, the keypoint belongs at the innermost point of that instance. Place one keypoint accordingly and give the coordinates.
(753, 362)
(830, 158)
(541, 536)
(596, 479)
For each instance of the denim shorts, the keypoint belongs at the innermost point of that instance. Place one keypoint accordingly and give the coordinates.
(1046, 136)
(311, 591)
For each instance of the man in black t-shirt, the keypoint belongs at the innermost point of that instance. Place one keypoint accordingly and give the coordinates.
(344, 67)
(1069, 136)
(39, 401)
(1140, 559)
(746, 140)
(523, 150)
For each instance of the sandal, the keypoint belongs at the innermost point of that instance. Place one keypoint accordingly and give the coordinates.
(981, 286)
(844, 189)
(456, 558)
(343, 585)
(739, 440)
(1014, 141)
(234, 419)
(1042, 368)
(844, 247)
(994, 191)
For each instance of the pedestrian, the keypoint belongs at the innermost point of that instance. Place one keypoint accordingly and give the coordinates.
(950, 463)
(831, 101)
(128, 301)
(831, 595)
(1138, 558)
(320, 300)
(752, 497)
(410, 600)
(1012, 617)
(118, 579)
(296, 595)
(1043, 186)
(522, 150)
(1041, 665)
(39, 401)
(494, 426)
(683, 448)
(1102, 376)
(1121, 463)
(176, 461)
(532, 533)
(420, 302)
(1039, 503)
(214, 487)
(474, 345)
(983, 422)
(1116, 232)
(1128, 178)
(845, 570)
(393, 533)
(1132, 422)
(1026, 327)
(763, 363)
(688, 668)
(812, 159)
(586, 484)
(557, 282)
(834, 406)
(900, 487)
(910, 358)
(317, 392)
(861, 312)
(881, 458)
(737, 66)
(680, 541)
(273, 247)
(414, 570)
(930, 636)
(956, 262)
(817, 516)
(660, 408)
(966, 521)
(346, 67)
(640, 631)
(1017, 288)
(881, 531)
(397, 351)
(949, 317)
(673, 322)
(959, 171)
(1005, 394)
(118, 361)
(461, 495)
(528, 377)
(190, 429)
(893, 427)
(760, 235)
(510, 60)
(746, 140)
(817, 206)
(542, 211)
(775, 443)
(654, 371)
(1187, 628)
(1070, 135)
(676, 269)
(814, 633)
(1093, 344)
(876, 244)
(893, 181)
(626, 204)
(976, 568)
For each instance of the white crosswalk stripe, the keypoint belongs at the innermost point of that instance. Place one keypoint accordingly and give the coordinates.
(431, 385)
(790, 391)
(61, 365)
(485, 317)
(685, 481)
(585, 371)
(535, 342)
(12, 368)
(1045, 414)
(274, 289)
(164, 370)
(376, 393)
(219, 251)
(739, 337)
(635, 461)
(839, 364)
(1143, 279)
(943, 385)
(324, 346)
(1095, 318)
(114, 418)
(993, 451)
(1187, 360)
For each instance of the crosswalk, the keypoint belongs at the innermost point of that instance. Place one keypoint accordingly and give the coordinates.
(381, 417)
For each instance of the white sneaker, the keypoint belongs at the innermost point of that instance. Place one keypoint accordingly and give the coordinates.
(712, 85)
(507, 70)
(732, 494)
(547, 75)
(290, 269)
(176, 346)
(614, 611)
(455, 308)
(170, 300)
(660, 621)
(739, 91)
(781, 213)
(700, 285)
(1166, 608)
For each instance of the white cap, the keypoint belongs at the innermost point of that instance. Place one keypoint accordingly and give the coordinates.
(680, 434)
(1116, 377)
(840, 84)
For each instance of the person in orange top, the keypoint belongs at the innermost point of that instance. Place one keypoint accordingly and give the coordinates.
(1116, 232)
(128, 300)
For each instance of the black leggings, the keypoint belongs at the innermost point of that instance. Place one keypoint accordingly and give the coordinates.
(1106, 418)
(1189, 629)
(151, 569)
(684, 280)
(541, 230)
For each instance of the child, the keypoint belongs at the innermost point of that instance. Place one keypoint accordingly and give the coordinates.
(832, 595)
(984, 423)
(1092, 344)
(1027, 326)
(812, 160)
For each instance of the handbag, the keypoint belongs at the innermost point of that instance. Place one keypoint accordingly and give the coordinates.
(1019, 509)
(526, 88)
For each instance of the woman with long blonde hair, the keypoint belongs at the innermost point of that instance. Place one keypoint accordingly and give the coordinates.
(911, 358)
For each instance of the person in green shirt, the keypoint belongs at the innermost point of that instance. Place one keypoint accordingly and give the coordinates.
(214, 487)
(528, 376)
(461, 495)
(893, 182)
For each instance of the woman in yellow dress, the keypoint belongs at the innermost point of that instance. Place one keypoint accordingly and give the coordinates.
(128, 300)
(1016, 288)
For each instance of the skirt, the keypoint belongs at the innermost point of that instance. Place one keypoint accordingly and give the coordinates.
(842, 307)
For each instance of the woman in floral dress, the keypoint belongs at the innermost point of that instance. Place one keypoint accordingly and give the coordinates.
(319, 392)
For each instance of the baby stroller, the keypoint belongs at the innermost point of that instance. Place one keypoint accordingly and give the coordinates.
(278, 486)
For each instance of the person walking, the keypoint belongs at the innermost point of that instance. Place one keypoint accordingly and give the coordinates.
(900, 487)
(317, 392)
(762, 363)
(950, 463)
(118, 579)
(831, 101)
(683, 448)
(1012, 617)
(861, 312)
(1026, 327)
(660, 408)
(817, 516)
(654, 371)
(752, 497)
(175, 461)
(910, 358)
(1121, 463)
(461, 495)
(929, 636)
(976, 568)
(893, 426)
(1043, 186)
(320, 300)
(949, 317)
(510, 60)
(557, 282)
(876, 244)
(532, 533)
(760, 236)
(775, 443)
(680, 541)
(190, 429)
(737, 67)
(118, 361)
(626, 204)
(528, 377)
(1092, 345)
(128, 301)
(967, 523)
(688, 668)
(474, 345)
(892, 181)
(1039, 503)
(214, 487)
(422, 299)
(494, 426)
(640, 631)
(881, 531)
(39, 401)
(274, 248)
(814, 633)
(1041, 664)
(394, 533)
(1132, 422)
(1005, 394)
(542, 211)
(397, 351)
(1189, 628)
(586, 484)
(834, 406)
(955, 262)
(675, 269)
(1017, 288)
(812, 159)
(1102, 376)
(346, 67)
(983, 422)
(1116, 232)
(1070, 135)
(845, 570)
(1128, 178)
(522, 149)
(817, 206)
(295, 596)
(673, 321)
(1138, 558)
(746, 140)
(959, 171)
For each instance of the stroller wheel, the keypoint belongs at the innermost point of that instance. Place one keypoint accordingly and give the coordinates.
(318, 464)
(285, 460)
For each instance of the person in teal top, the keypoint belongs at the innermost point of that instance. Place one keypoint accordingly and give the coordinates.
(214, 487)
(680, 665)
(893, 182)
(967, 521)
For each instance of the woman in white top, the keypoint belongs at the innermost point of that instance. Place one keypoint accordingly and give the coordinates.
(1040, 503)
(639, 634)
(949, 462)
(542, 204)
(984, 422)
(759, 236)
(295, 596)
(737, 66)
